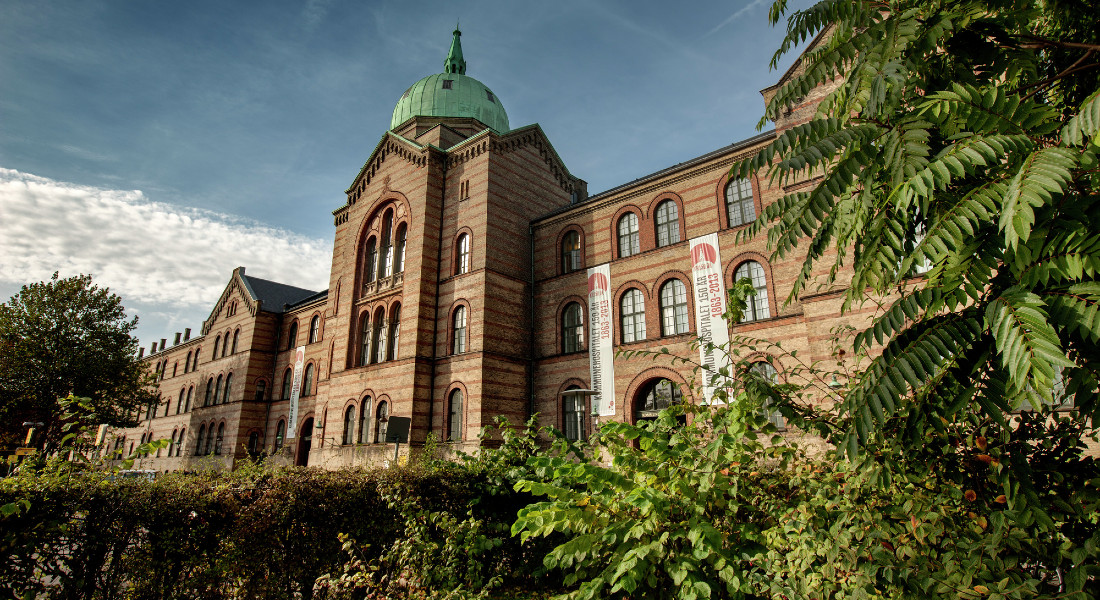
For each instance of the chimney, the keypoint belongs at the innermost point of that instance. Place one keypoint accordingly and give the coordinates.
(162, 342)
(141, 352)
(186, 334)
(177, 342)
(153, 348)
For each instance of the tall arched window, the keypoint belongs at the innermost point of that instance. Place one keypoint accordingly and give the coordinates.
(572, 329)
(632, 316)
(307, 381)
(378, 339)
(370, 260)
(459, 330)
(288, 381)
(292, 336)
(209, 439)
(654, 397)
(572, 417)
(187, 364)
(399, 249)
(768, 373)
(261, 390)
(462, 254)
(201, 439)
(179, 442)
(209, 392)
(228, 384)
(757, 306)
(187, 403)
(349, 426)
(364, 420)
(195, 365)
(217, 390)
(382, 419)
(172, 442)
(364, 340)
(280, 436)
(217, 344)
(225, 345)
(668, 223)
(571, 252)
(454, 416)
(385, 267)
(315, 329)
(218, 442)
(395, 332)
(674, 308)
(253, 443)
(629, 242)
(740, 209)
(236, 338)
(179, 403)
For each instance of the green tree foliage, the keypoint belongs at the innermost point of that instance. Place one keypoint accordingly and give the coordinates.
(962, 135)
(61, 337)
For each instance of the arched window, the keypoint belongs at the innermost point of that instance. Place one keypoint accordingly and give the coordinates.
(629, 243)
(187, 364)
(385, 267)
(395, 332)
(209, 439)
(378, 339)
(654, 397)
(632, 316)
(288, 381)
(668, 223)
(195, 365)
(383, 418)
(364, 421)
(217, 390)
(571, 252)
(572, 329)
(236, 338)
(740, 209)
(349, 426)
(187, 403)
(179, 403)
(280, 436)
(307, 381)
(172, 442)
(202, 437)
(399, 249)
(462, 254)
(209, 392)
(674, 308)
(572, 417)
(370, 260)
(757, 306)
(228, 383)
(179, 442)
(225, 345)
(315, 329)
(175, 367)
(254, 443)
(261, 389)
(364, 340)
(454, 416)
(217, 344)
(768, 373)
(218, 442)
(459, 330)
(292, 337)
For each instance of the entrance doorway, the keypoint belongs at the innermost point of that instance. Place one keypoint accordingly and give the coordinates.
(305, 438)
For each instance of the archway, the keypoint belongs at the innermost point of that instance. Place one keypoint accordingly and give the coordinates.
(305, 439)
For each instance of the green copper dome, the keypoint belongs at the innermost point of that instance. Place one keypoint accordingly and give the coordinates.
(451, 94)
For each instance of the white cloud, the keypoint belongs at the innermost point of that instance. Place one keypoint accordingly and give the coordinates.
(150, 252)
(736, 15)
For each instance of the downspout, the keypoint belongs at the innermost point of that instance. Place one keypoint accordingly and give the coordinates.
(531, 323)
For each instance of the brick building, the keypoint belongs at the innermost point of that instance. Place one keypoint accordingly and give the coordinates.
(459, 291)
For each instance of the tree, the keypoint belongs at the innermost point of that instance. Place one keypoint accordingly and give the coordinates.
(67, 336)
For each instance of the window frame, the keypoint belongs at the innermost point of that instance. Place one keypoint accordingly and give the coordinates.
(734, 193)
(758, 307)
(676, 312)
(667, 223)
(572, 328)
(636, 316)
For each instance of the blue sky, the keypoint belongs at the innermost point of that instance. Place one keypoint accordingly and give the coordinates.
(157, 145)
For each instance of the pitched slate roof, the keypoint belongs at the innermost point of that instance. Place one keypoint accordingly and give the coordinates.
(276, 297)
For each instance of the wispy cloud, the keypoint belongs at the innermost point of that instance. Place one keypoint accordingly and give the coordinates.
(145, 251)
(737, 14)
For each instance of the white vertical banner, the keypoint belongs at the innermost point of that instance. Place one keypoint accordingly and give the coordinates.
(601, 353)
(295, 391)
(710, 305)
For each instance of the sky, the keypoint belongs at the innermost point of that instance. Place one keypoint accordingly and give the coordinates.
(159, 145)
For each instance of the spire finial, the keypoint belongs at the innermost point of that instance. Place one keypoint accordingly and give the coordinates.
(455, 63)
